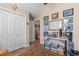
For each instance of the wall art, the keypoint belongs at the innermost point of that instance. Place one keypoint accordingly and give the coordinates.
(46, 18)
(46, 23)
(55, 34)
(55, 16)
(46, 27)
(68, 24)
(45, 33)
(57, 24)
(68, 12)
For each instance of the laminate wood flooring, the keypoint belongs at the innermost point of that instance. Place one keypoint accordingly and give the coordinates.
(35, 49)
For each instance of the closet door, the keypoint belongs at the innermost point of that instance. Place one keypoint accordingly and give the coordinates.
(22, 31)
(19, 31)
(0, 28)
(12, 31)
(5, 33)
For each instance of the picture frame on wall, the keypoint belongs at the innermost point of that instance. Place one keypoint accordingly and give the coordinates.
(45, 33)
(68, 12)
(46, 18)
(46, 27)
(46, 23)
(55, 25)
(55, 16)
(68, 24)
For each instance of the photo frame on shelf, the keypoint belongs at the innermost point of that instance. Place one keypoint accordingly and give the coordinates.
(54, 34)
(55, 16)
(46, 18)
(68, 12)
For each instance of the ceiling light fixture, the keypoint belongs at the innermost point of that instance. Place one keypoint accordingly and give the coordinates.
(45, 3)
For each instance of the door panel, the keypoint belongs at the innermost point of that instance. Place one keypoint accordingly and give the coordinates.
(12, 31)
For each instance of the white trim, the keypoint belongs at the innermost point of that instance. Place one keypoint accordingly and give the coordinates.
(11, 11)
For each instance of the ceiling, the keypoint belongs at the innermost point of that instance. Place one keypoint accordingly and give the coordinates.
(34, 8)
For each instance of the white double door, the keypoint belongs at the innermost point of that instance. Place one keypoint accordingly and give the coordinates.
(12, 31)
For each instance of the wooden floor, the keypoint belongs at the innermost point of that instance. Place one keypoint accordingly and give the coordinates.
(35, 49)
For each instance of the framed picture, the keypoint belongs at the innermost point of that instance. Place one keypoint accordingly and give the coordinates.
(68, 24)
(55, 15)
(55, 34)
(55, 25)
(68, 12)
(46, 23)
(45, 33)
(46, 18)
(46, 27)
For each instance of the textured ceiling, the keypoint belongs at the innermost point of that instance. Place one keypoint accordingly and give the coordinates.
(34, 8)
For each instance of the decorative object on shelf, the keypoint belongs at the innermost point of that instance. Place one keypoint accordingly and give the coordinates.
(60, 32)
(46, 18)
(68, 12)
(50, 34)
(46, 24)
(55, 15)
(45, 33)
(55, 34)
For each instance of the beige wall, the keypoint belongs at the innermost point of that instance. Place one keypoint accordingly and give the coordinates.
(31, 31)
(21, 11)
(59, 8)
